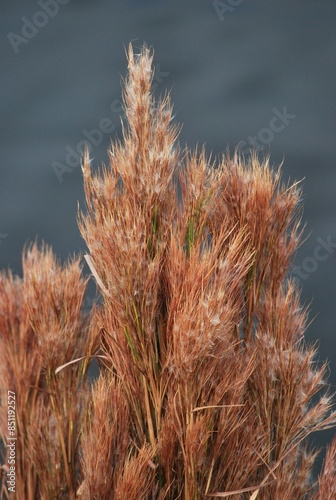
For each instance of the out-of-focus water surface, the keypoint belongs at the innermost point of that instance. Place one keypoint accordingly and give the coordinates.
(230, 73)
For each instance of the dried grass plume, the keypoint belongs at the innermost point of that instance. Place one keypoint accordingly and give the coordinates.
(206, 386)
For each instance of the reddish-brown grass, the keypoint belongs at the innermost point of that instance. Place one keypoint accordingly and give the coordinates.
(207, 387)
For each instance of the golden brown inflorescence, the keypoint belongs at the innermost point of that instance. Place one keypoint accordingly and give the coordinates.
(206, 386)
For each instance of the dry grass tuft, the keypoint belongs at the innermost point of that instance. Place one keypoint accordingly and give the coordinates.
(327, 478)
(207, 387)
(41, 327)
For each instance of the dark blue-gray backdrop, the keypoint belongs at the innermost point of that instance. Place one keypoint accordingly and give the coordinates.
(250, 73)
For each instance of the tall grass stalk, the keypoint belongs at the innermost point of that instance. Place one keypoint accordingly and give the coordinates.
(206, 387)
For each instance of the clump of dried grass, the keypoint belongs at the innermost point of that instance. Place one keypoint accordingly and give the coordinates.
(207, 387)
(42, 325)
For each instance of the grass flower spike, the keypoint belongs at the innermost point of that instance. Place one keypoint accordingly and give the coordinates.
(206, 386)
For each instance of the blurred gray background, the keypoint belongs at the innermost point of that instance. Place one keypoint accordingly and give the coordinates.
(240, 72)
